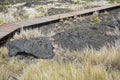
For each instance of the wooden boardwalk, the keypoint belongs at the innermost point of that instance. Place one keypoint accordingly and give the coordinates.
(7, 29)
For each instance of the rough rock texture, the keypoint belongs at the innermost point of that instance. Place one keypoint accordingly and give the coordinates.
(40, 48)
(79, 38)
(111, 19)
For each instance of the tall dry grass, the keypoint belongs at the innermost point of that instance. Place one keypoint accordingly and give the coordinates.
(88, 64)
(32, 33)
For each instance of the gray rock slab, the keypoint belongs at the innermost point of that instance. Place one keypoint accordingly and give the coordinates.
(40, 47)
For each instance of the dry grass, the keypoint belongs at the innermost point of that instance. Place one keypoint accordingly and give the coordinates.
(3, 52)
(32, 33)
(88, 64)
(69, 71)
(9, 65)
(51, 70)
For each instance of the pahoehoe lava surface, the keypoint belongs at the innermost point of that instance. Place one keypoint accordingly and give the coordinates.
(78, 38)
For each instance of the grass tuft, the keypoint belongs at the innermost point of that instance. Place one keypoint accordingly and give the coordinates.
(88, 64)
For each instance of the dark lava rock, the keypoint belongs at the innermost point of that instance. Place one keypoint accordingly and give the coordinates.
(113, 22)
(79, 38)
(111, 19)
(117, 16)
(40, 48)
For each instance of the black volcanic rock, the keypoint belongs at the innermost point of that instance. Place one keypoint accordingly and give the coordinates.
(40, 48)
(79, 38)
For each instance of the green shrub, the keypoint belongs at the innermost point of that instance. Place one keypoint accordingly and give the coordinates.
(96, 19)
